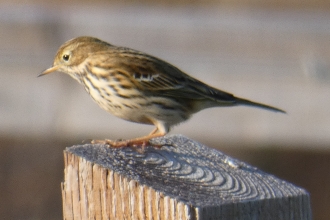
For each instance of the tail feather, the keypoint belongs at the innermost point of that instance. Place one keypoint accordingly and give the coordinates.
(246, 102)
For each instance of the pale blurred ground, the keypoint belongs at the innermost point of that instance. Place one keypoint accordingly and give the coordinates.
(276, 53)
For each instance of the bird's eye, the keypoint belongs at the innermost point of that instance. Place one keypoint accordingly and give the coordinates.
(66, 57)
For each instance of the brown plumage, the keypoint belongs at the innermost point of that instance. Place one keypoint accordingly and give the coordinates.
(138, 87)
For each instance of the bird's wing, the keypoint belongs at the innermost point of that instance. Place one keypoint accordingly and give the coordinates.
(167, 80)
(153, 75)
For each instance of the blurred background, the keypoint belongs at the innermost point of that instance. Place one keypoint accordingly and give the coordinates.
(274, 52)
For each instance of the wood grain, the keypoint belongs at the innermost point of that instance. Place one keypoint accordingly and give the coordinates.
(181, 180)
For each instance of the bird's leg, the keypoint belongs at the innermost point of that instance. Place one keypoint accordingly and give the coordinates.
(143, 141)
(153, 131)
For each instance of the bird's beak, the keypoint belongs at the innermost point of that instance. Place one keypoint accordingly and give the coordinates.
(49, 70)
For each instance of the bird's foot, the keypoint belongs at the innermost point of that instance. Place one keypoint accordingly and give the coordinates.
(121, 143)
(125, 143)
(111, 143)
(136, 142)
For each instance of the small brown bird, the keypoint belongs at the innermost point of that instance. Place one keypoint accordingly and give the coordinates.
(138, 87)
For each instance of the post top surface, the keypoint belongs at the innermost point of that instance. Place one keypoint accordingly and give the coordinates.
(189, 171)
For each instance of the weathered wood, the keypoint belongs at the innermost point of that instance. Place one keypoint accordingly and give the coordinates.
(181, 180)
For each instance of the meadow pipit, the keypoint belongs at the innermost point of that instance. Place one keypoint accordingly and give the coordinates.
(138, 87)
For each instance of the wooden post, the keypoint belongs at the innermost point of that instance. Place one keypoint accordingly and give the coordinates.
(181, 180)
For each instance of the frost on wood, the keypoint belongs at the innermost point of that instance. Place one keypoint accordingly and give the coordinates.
(181, 180)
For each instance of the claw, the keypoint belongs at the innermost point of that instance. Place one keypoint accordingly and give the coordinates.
(87, 141)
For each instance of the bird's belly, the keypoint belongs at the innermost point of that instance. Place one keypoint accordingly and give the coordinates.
(146, 111)
(135, 106)
(126, 111)
(130, 114)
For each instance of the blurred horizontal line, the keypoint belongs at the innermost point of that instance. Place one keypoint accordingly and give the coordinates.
(202, 18)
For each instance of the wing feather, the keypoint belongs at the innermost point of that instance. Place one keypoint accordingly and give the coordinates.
(153, 75)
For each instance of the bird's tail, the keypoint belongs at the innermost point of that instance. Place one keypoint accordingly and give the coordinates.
(246, 102)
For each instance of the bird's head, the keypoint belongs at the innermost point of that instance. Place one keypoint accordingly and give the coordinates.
(73, 53)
